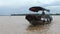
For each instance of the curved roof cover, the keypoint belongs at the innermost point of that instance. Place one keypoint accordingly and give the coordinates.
(36, 9)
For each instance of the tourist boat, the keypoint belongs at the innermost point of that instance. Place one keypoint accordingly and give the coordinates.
(38, 19)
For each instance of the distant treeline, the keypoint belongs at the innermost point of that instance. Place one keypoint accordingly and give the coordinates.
(26, 14)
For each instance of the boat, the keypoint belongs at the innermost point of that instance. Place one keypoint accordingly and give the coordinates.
(39, 19)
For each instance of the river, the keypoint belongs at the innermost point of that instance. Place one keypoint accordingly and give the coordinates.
(19, 25)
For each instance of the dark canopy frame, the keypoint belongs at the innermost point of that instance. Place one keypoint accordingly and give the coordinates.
(37, 9)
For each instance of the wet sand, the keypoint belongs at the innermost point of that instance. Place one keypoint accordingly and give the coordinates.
(19, 25)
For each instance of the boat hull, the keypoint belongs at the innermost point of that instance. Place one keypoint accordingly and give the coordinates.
(38, 20)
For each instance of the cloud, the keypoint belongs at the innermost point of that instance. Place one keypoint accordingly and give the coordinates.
(46, 1)
(22, 6)
(25, 2)
(54, 9)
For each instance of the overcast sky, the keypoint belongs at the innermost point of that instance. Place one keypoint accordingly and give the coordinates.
(8, 7)
(24, 2)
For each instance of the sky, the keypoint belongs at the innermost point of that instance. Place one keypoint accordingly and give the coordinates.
(8, 7)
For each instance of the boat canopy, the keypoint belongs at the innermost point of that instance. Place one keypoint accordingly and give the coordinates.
(37, 8)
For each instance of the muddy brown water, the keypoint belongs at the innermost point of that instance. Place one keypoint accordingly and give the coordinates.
(19, 25)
